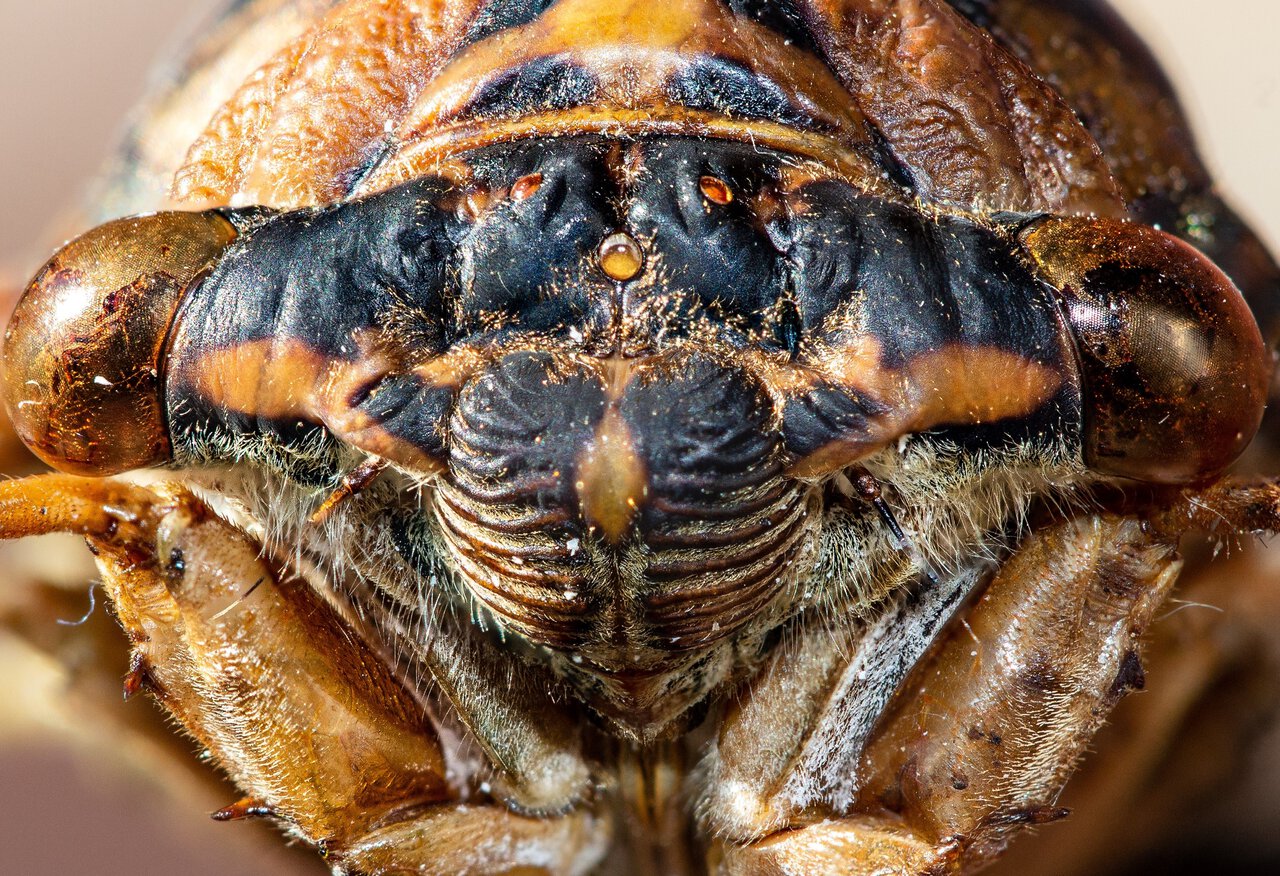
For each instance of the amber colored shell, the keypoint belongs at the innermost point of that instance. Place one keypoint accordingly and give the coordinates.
(328, 117)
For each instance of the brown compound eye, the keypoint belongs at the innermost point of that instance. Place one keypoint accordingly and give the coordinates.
(1174, 368)
(83, 353)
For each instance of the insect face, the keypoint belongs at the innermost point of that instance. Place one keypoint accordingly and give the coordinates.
(711, 431)
(623, 370)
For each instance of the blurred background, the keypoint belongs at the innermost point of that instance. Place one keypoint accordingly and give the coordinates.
(69, 72)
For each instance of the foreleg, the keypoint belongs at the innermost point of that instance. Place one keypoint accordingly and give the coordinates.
(986, 731)
(287, 696)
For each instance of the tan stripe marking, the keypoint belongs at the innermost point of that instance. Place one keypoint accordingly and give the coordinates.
(961, 384)
(288, 379)
(957, 385)
(272, 379)
(612, 483)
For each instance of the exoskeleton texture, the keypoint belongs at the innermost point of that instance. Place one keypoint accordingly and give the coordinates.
(717, 436)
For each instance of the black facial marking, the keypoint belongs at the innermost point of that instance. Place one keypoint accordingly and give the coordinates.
(824, 414)
(425, 267)
(1055, 423)
(409, 408)
(915, 284)
(317, 275)
(824, 249)
(720, 253)
(542, 84)
(790, 326)
(864, 269)
(321, 278)
(783, 17)
(499, 15)
(518, 429)
(703, 433)
(893, 270)
(530, 263)
(699, 427)
(725, 87)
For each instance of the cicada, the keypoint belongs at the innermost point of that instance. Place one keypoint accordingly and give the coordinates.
(716, 436)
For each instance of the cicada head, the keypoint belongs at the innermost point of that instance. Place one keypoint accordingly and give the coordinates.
(625, 376)
(84, 352)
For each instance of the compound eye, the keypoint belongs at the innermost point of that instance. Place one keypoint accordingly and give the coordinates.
(1174, 371)
(83, 353)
